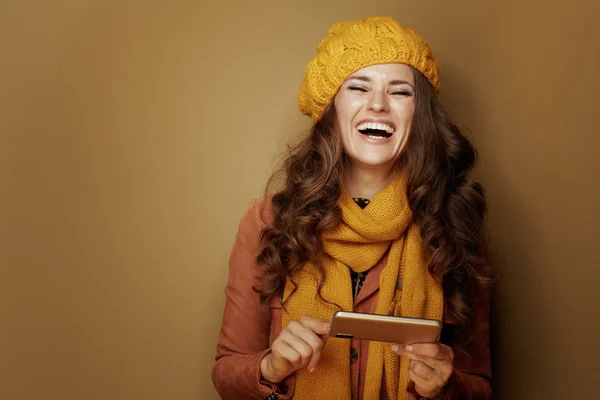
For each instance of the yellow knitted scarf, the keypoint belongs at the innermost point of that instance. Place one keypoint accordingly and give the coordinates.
(358, 243)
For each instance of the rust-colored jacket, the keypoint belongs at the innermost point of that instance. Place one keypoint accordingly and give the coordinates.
(248, 330)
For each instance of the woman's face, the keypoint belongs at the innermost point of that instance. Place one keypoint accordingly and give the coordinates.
(375, 108)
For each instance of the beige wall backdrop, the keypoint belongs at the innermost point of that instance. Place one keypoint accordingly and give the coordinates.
(134, 134)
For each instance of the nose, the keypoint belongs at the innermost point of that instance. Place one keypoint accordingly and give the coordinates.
(378, 102)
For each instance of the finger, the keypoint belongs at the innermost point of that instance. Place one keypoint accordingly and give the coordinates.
(311, 338)
(318, 326)
(399, 349)
(449, 352)
(433, 362)
(284, 352)
(437, 378)
(403, 351)
(316, 354)
(305, 333)
(422, 370)
(422, 386)
(436, 351)
(316, 345)
(430, 362)
(300, 346)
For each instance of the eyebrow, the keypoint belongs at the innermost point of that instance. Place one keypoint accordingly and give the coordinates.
(394, 82)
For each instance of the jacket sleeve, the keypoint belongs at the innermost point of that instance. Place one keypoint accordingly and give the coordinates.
(472, 375)
(244, 335)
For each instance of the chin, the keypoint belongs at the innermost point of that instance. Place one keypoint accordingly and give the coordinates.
(377, 162)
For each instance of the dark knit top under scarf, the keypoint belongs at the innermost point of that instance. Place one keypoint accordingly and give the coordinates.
(358, 278)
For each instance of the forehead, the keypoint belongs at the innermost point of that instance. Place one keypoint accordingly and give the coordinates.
(388, 72)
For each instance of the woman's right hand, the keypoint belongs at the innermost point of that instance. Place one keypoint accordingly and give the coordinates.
(298, 345)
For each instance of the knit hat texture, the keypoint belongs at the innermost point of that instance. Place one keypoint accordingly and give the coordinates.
(352, 45)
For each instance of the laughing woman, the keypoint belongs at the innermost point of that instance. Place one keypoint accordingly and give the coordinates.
(377, 215)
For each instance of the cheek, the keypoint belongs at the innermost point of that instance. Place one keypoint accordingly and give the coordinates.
(347, 106)
(356, 104)
(342, 130)
(404, 115)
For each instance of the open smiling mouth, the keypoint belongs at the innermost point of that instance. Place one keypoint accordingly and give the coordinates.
(375, 130)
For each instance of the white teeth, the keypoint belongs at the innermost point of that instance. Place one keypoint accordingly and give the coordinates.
(374, 125)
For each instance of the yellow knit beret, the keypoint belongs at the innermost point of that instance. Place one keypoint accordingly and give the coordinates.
(352, 45)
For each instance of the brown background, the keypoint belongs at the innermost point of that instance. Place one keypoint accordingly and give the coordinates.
(134, 134)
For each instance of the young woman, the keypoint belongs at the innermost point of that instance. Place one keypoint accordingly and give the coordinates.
(377, 215)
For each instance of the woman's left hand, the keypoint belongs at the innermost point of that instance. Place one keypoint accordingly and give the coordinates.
(431, 365)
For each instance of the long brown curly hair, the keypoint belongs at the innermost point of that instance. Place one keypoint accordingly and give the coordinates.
(449, 208)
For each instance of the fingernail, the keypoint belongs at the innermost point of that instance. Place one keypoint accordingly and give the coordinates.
(408, 348)
(312, 370)
(395, 347)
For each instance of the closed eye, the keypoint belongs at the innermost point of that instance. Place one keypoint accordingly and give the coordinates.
(358, 88)
(402, 93)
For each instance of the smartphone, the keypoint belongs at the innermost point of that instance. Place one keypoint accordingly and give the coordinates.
(384, 328)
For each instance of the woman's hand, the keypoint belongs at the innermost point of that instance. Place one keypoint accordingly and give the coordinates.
(431, 365)
(297, 346)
